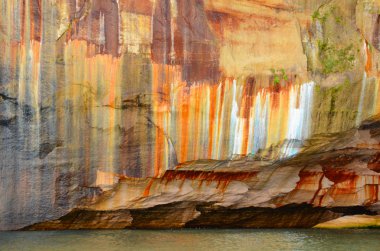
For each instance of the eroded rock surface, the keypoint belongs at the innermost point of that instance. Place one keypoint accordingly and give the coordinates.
(352, 221)
(317, 186)
(174, 113)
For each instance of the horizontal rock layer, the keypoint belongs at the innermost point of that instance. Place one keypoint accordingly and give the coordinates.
(129, 105)
(304, 191)
(190, 215)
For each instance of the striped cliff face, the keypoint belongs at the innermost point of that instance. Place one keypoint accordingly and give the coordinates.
(94, 91)
(133, 88)
(218, 121)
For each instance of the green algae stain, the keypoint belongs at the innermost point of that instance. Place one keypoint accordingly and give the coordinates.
(335, 60)
(279, 75)
(318, 16)
(335, 108)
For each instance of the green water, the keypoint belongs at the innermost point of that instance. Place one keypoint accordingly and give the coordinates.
(268, 239)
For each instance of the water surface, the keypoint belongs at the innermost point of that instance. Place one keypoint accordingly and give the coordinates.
(267, 239)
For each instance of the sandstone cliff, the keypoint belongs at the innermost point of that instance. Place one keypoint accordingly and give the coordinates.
(338, 178)
(198, 113)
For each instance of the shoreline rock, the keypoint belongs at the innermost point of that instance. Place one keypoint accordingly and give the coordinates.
(351, 221)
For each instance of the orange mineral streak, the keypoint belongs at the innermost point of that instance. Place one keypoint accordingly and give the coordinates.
(196, 125)
(36, 20)
(310, 183)
(160, 144)
(368, 66)
(283, 114)
(184, 126)
(372, 193)
(214, 121)
(147, 188)
(219, 135)
(347, 182)
(112, 83)
(161, 115)
(309, 180)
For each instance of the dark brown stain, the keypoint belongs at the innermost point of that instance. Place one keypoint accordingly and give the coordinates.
(247, 103)
(334, 169)
(135, 149)
(338, 161)
(195, 45)
(374, 163)
(199, 215)
(87, 219)
(161, 44)
(221, 20)
(290, 216)
(171, 215)
(339, 175)
(248, 96)
(89, 28)
(34, 21)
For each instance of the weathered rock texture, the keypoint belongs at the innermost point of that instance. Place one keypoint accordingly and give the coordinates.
(340, 178)
(353, 221)
(196, 113)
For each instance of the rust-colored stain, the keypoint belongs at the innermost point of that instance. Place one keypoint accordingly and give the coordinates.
(103, 54)
(368, 65)
(147, 188)
(371, 193)
(142, 7)
(339, 175)
(208, 176)
(93, 91)
(347, 182)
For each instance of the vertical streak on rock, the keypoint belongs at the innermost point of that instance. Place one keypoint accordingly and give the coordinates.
(258, 119)
(368, 64)
(376, 33)
(111, 29)
(173, 18)
(97, 22)
(48, 84)
(312, 201)
(36, 16)
(218, 136)
(161, 43)
(195, 44)
(29, 77)
(361, 100)
(162, 75)
(72, 6)
(248, 94)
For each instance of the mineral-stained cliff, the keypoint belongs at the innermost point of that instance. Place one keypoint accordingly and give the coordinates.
(341, 178)
(196, 113)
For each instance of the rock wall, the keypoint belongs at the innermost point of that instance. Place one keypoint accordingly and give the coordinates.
(195, 104)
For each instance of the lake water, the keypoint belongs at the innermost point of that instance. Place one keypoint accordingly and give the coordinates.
(267, 239)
